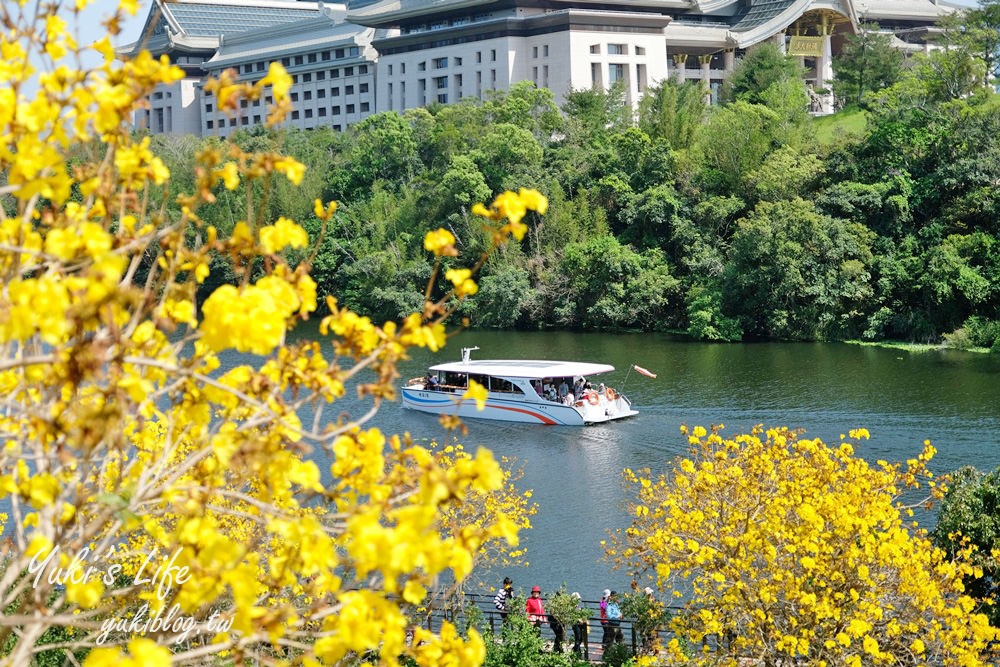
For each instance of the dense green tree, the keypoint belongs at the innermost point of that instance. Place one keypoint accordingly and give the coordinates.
(794, 273)
(982, 34)
(970, 515)
(609, 285)
(761, 67)
(508, 157)
(867, 62)
(734, 142)
(527, 106)
(384, 150)
(592, 111)
(673, 111)
(786, 173)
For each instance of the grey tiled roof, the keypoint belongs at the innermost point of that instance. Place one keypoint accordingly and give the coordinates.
(759, 12)
(209, 20)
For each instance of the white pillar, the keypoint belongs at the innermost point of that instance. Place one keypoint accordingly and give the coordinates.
(680, 60)
(824, 68)
(728, 60)
(706, 75)
(779, 39)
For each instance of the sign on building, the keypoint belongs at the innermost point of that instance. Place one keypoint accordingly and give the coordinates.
(806, 46)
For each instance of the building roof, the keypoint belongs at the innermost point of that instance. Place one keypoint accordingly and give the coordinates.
(290, 38)
(199, 24)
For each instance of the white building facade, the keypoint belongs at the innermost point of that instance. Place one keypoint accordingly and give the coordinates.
(350, 61)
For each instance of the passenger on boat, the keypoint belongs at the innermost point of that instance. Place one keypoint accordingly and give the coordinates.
(569, 399)
(431, 383)
(578, 386)
(563, 389)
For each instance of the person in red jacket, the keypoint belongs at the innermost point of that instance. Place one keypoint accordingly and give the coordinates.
(534, 608)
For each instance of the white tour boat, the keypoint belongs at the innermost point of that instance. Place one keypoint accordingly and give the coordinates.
(532, 391)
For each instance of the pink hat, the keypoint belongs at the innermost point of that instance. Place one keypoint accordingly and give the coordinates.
(536, 589)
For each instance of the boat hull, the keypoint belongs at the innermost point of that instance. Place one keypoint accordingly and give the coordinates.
(504, 409)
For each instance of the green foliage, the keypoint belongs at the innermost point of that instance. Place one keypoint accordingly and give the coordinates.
(520, 645)
(794, 273)
(734, 142)
(648, 616)
(617, 655)
(867, 62)
(673, 111)
(706, 321)
(566, 609)
(758, 70)
(970, 515)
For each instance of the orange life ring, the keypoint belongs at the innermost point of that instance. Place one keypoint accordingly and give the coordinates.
(610, 393)
(592, 397)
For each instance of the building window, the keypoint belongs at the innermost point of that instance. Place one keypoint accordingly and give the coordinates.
(595, 49)
(322, 112)
(421, 66)
(640, 51)
(534, 52)
(208, 108)
(348, 90)
(441, 82)
(545, 51)
(325, 55)
(534, 75)
(443, 98)
(640, 78)
(617, 50)
(335, 110)
(256, 120)
(334, 92)
(307, 95)
(458, 62)
(354, 52)
(338, 54)
(321, 93)
(440, 63)
(363, 88)
(336, 128)
(268, 100)
(307, 77)
(286, 62)
(596, 80)
(335, 74)
(309, 113)
(545, 76)
(295, 115)
(479, 56)
(402, 69)
(321, 75)
(312, 58)
(392, 103)
(363, 69)
(210, 124)
(295, 97)
(390, 70)
(350, 108)
(616, 73)
(364, 107)
(260, 66)
(244, 120)
(298, 60)
(232, 122)
(348, 71)
(493, 55)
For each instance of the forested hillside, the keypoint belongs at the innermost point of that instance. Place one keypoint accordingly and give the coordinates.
(748, 219)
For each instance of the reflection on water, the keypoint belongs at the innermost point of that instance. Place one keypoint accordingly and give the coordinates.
(902, 398)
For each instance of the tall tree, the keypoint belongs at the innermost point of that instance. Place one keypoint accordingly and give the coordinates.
(983, 34)
(867, 62)
(673, 111)
(758, 70)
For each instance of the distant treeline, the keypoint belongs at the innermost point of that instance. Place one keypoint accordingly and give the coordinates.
(748, 219)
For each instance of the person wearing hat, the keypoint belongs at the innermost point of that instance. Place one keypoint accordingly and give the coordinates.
(535, 609)
(503, 598)
(605, 637)
(614, 621)
(579, 628)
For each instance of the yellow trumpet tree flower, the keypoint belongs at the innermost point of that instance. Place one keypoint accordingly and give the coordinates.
(787, 550)
(157, 508)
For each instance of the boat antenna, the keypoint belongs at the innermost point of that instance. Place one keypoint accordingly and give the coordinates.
(467, 353)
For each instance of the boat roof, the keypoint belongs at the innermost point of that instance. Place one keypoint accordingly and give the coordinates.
(524, 368)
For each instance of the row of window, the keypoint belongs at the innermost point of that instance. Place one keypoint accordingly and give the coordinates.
(617, 50)
(456, 61)
(308, 58)
(336, 110)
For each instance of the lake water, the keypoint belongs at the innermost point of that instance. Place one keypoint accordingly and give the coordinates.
(903, 398)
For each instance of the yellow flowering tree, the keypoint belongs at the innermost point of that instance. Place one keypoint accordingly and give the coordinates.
(157, 508)
(786, 549)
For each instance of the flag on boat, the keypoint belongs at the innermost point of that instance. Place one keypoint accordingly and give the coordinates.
(640, 369)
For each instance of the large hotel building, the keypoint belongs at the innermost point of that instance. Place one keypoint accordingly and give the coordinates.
(350, 61)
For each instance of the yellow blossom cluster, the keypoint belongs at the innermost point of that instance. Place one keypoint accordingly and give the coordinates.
(146, 476)
(789, 549)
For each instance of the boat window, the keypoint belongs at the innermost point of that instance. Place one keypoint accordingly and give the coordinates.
(504, 386)
(455, 380)
(481, 379)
